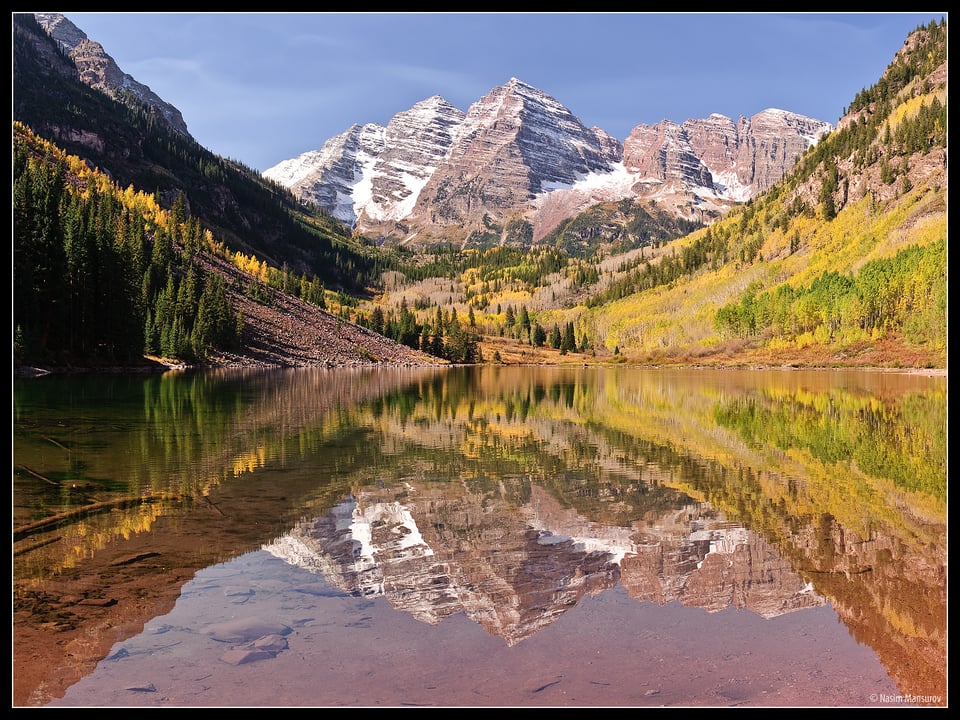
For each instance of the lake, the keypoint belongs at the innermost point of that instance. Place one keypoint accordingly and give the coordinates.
(480, 536)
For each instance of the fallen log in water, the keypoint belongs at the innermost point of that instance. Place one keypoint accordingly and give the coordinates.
(56, 521)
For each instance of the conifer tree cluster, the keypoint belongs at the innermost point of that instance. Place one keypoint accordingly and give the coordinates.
(446, 337)
(105, 276)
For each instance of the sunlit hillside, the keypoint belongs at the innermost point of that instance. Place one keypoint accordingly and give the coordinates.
(847, 253)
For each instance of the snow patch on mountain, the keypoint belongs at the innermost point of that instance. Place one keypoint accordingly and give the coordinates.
(615, 184)
(296, 169)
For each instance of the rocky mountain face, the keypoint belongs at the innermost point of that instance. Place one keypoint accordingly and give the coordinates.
(758, 152)
(735, 160)
(380, 170)
(514, 143)
(517, 154)
(98, 70)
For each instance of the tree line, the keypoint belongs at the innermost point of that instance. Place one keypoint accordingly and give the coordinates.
(446, 337)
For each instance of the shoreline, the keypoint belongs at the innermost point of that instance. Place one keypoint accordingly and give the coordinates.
(32, 371)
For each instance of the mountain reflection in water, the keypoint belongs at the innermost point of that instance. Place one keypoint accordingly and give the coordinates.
(525, 566)
(503, 495)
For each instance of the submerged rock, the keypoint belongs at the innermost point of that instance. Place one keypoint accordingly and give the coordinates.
(244, 630)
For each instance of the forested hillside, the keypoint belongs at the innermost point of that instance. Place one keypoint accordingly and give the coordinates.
(848, 253)
(87, 283)
(129, 143)
(107, 277)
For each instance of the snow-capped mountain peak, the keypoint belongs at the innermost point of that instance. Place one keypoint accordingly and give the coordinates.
(517, 152)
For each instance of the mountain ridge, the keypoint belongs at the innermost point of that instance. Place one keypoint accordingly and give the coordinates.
(518, 153)
(377, 179)
(100, 71)
(130, 141)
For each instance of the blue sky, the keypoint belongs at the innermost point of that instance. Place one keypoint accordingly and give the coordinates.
(262, 88)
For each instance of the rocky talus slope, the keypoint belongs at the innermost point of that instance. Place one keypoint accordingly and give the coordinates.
(288, 332)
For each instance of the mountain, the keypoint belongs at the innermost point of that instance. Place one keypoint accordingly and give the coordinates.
(736, 160)
(514, 144)
(98, 70)
(518, 155)
(69, 91)
(383, 169)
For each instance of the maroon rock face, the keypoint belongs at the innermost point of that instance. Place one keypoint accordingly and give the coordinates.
(663, 152)
(518, 153)
(737, 160)
(513, 144)
(98, 70)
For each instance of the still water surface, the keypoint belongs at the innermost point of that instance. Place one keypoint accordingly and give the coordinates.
(480, 537)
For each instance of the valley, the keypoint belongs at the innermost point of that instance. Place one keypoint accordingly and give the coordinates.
(500, 233)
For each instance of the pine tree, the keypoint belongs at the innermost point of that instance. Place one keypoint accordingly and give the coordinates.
(525, 321)
(539, 335)
(568, 342)
(376, 320)
(555, 337)
(829, 187)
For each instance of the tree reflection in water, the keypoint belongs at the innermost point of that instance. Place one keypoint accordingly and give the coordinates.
(507, 495)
